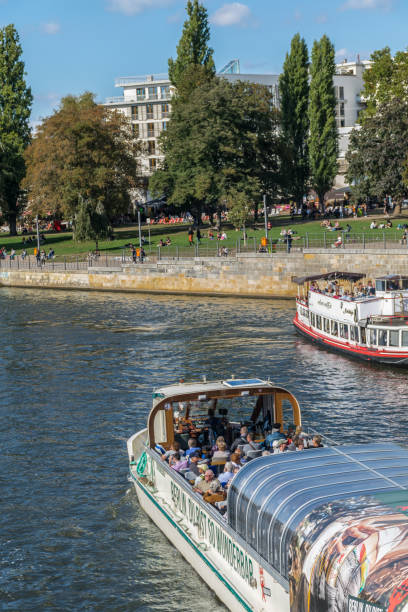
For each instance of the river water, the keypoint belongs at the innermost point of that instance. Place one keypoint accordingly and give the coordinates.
(76, 376)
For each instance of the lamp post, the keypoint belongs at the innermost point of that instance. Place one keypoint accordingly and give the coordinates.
(38, 235)
(266, 217)
(140, 228)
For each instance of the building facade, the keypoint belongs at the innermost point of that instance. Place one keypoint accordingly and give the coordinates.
(146, 101)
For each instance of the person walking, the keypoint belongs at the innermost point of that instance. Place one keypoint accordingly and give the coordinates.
(191, 236)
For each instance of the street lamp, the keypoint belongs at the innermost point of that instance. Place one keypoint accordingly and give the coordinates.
(266, 217)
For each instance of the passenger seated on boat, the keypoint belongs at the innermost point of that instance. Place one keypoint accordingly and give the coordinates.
(347, 296)
(274, 435)
(227, 474)
(204, 484)
(370, 288)
(215, 493)
(279, 446)
(177, 462)
(240, 440)
(235, 459)
(266, 453)
(192, 447)
(299, 444)
(174, 448)
(218, 440)
(316, 442)
(193, 469)
(251, 445)
(222, 452)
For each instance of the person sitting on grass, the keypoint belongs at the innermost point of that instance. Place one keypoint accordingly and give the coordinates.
(338, 242)
(373, 225)
(168, 241)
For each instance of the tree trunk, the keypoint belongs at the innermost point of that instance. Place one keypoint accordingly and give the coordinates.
(321, 202)
(12, 219)
(397, 210)
(255, 214)
(219, 221)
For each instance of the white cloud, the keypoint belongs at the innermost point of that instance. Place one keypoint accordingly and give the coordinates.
(131, 7)
(50, 28)
(231, 14)
(341, 54)
(367, 4)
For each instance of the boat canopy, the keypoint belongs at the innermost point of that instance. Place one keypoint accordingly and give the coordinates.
(271, 498)
(350, 276)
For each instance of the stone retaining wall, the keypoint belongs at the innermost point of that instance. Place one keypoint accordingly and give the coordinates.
(247, 275)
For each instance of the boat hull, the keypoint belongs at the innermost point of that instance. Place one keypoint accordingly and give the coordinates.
(355, 353)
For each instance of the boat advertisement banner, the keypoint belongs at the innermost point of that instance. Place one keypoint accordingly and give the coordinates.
(339, 310)
(351, 555)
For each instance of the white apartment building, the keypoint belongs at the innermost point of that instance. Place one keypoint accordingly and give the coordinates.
(146, 102)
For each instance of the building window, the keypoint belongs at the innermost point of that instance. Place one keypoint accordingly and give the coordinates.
(165, 91)
(149, 111)
(152, 163)
(341, 93)
(135, 112)
(140, 93)
(152, 93)
(165, 110)
(342, 109)
(164, 125)
(342, 123)
(150, 130)
(151, 147)
(135, 130)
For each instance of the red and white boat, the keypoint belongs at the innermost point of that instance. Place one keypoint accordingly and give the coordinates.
(371, 327)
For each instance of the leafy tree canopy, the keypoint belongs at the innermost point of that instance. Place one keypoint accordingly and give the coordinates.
(222, 139)
(193, 49)
(83, 151)
(91, 223)
(385, 80)
(294, 98)
(15, 110)
(323, 146)
(377, 153)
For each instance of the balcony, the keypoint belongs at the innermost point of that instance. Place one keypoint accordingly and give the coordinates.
(150, 134)
(165, 115)
(138, 80)
(153, 97)
(116, 100)
(149, 115)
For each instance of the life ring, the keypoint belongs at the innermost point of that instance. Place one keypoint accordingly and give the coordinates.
(141, 464)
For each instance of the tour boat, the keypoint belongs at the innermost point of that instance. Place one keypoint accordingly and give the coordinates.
(371, 327)
(315, 530)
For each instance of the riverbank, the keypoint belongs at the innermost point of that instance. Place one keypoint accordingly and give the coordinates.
(248, 275)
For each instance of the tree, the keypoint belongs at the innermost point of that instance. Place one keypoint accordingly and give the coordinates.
(193, 50)
(378, 151)
(15, 110)
(294, 99)
(91, 223)
(239, 210)
(222, 139)
(82, 151)
(323, 146)
(386, 79)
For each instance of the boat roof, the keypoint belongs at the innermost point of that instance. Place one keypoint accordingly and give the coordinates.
(392, 277)
(271, 496)
(352, 276)
(204, 386)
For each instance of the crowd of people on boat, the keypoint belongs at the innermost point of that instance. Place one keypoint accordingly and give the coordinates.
(334, 289)
(210, 468)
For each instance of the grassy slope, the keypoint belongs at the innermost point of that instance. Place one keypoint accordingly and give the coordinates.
(64, 245)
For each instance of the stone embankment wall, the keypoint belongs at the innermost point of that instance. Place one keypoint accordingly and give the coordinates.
(247, 275)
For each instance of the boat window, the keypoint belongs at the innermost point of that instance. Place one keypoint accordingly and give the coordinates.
(334, 328)
(344, 331)
(404, 283)
(318, 322)
(373, 336)
(312, 318)
(354, 333)
(327, 325)
(404, 338)
(382, 337)
(394, 338)
(392, 285)
(363, 336)
(380, 285)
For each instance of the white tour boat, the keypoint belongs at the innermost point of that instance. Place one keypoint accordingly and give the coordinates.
(371, 327)
(320, 529)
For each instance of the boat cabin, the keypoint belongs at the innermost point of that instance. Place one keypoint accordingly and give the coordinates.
(185, 410)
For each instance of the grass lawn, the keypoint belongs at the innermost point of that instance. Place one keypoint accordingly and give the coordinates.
(64, 245)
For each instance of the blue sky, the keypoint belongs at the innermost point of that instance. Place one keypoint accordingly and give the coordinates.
(75, 45)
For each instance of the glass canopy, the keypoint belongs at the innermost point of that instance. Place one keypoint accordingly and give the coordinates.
(271, 496)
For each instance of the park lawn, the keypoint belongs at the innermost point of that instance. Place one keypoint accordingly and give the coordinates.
(64, 245)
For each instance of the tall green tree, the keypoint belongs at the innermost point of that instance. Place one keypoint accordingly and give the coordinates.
(294, 100)
(377, 153)
(83, 150)
(15, 110)
(386, 79)
(222, 139)
(91, 222)
(323, 145)
(193, 51)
